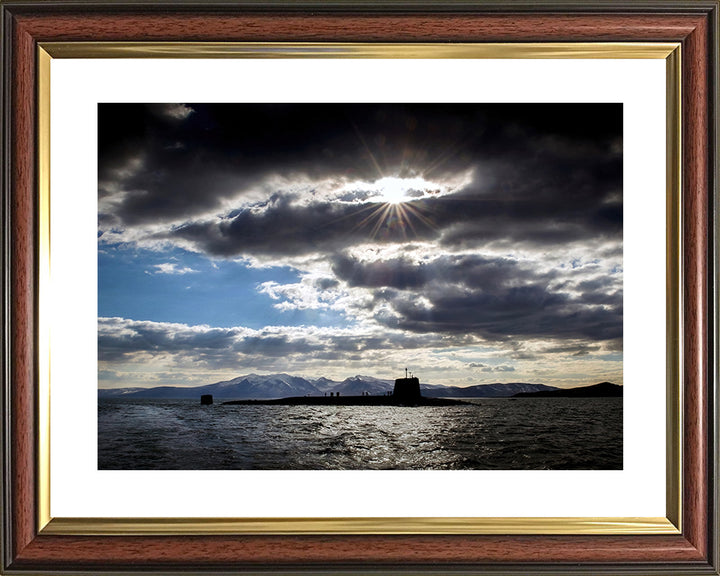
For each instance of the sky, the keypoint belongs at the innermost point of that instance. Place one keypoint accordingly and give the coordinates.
(469, 243)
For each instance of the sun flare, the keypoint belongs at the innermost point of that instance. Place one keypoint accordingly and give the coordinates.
(393, 190)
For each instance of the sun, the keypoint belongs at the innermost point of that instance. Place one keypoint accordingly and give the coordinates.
(393, 190)
(391, 209)
(394, 206)
(396, 190)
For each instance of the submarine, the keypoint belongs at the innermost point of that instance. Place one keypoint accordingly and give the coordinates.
(406, 392)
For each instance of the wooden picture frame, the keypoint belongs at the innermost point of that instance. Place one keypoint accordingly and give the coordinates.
(31, 546)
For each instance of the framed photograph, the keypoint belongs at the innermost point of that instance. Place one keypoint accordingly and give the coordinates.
(352, 287)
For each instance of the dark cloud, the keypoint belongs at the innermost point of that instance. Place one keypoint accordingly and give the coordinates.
(282, 228)
(326, 283)
(538, 209)
(462, 220)
(398, 273)
(220, 180)
(275, 346)
(123, 339)
(473, 271)
(527, 312)
(170, 165)
(493, 298)
(118, 338)
(572, 350)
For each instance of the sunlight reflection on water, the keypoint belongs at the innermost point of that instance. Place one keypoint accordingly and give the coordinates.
(500, 434)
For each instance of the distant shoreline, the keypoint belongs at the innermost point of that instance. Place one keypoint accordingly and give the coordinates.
(602, 390)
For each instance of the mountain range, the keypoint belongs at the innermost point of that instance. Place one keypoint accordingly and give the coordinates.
(262, 387)
(604, 390)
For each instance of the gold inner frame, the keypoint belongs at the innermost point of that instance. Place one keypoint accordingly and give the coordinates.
(671, 524)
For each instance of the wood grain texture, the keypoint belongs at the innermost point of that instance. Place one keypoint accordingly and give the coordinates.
(688, 552)
(360, 28)
(22, 286)
(416, 550)
(695, 230)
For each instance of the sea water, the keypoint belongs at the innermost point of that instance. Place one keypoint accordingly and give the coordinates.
(489, 434)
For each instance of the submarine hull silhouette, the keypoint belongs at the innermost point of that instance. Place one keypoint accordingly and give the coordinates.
(405, 393)
(352, 401)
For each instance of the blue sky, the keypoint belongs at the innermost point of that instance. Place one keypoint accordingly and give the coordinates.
(181, 286)
(472, 243)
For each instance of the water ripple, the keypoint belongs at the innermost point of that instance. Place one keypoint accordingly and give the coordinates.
(493, 434)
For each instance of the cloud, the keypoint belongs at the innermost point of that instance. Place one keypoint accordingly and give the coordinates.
(459, 221)
(472, 270)
(118, 338)
(507, 232)
(174, 112)
(283, 229)
(579, 349)
(522, 311)
(123, 340)
(503, 368)
(401, 273)
(508, 173)
(488, 368)
(492, 298)
(172, 268)
(133, 352)
(308, 294)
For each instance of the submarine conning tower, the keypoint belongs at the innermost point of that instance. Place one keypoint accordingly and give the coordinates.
(407, 388)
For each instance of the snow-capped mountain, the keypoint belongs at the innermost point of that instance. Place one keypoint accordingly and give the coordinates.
(249, 386)
(118, 392)
(357, 385)
(324, 384)
(265, 386)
